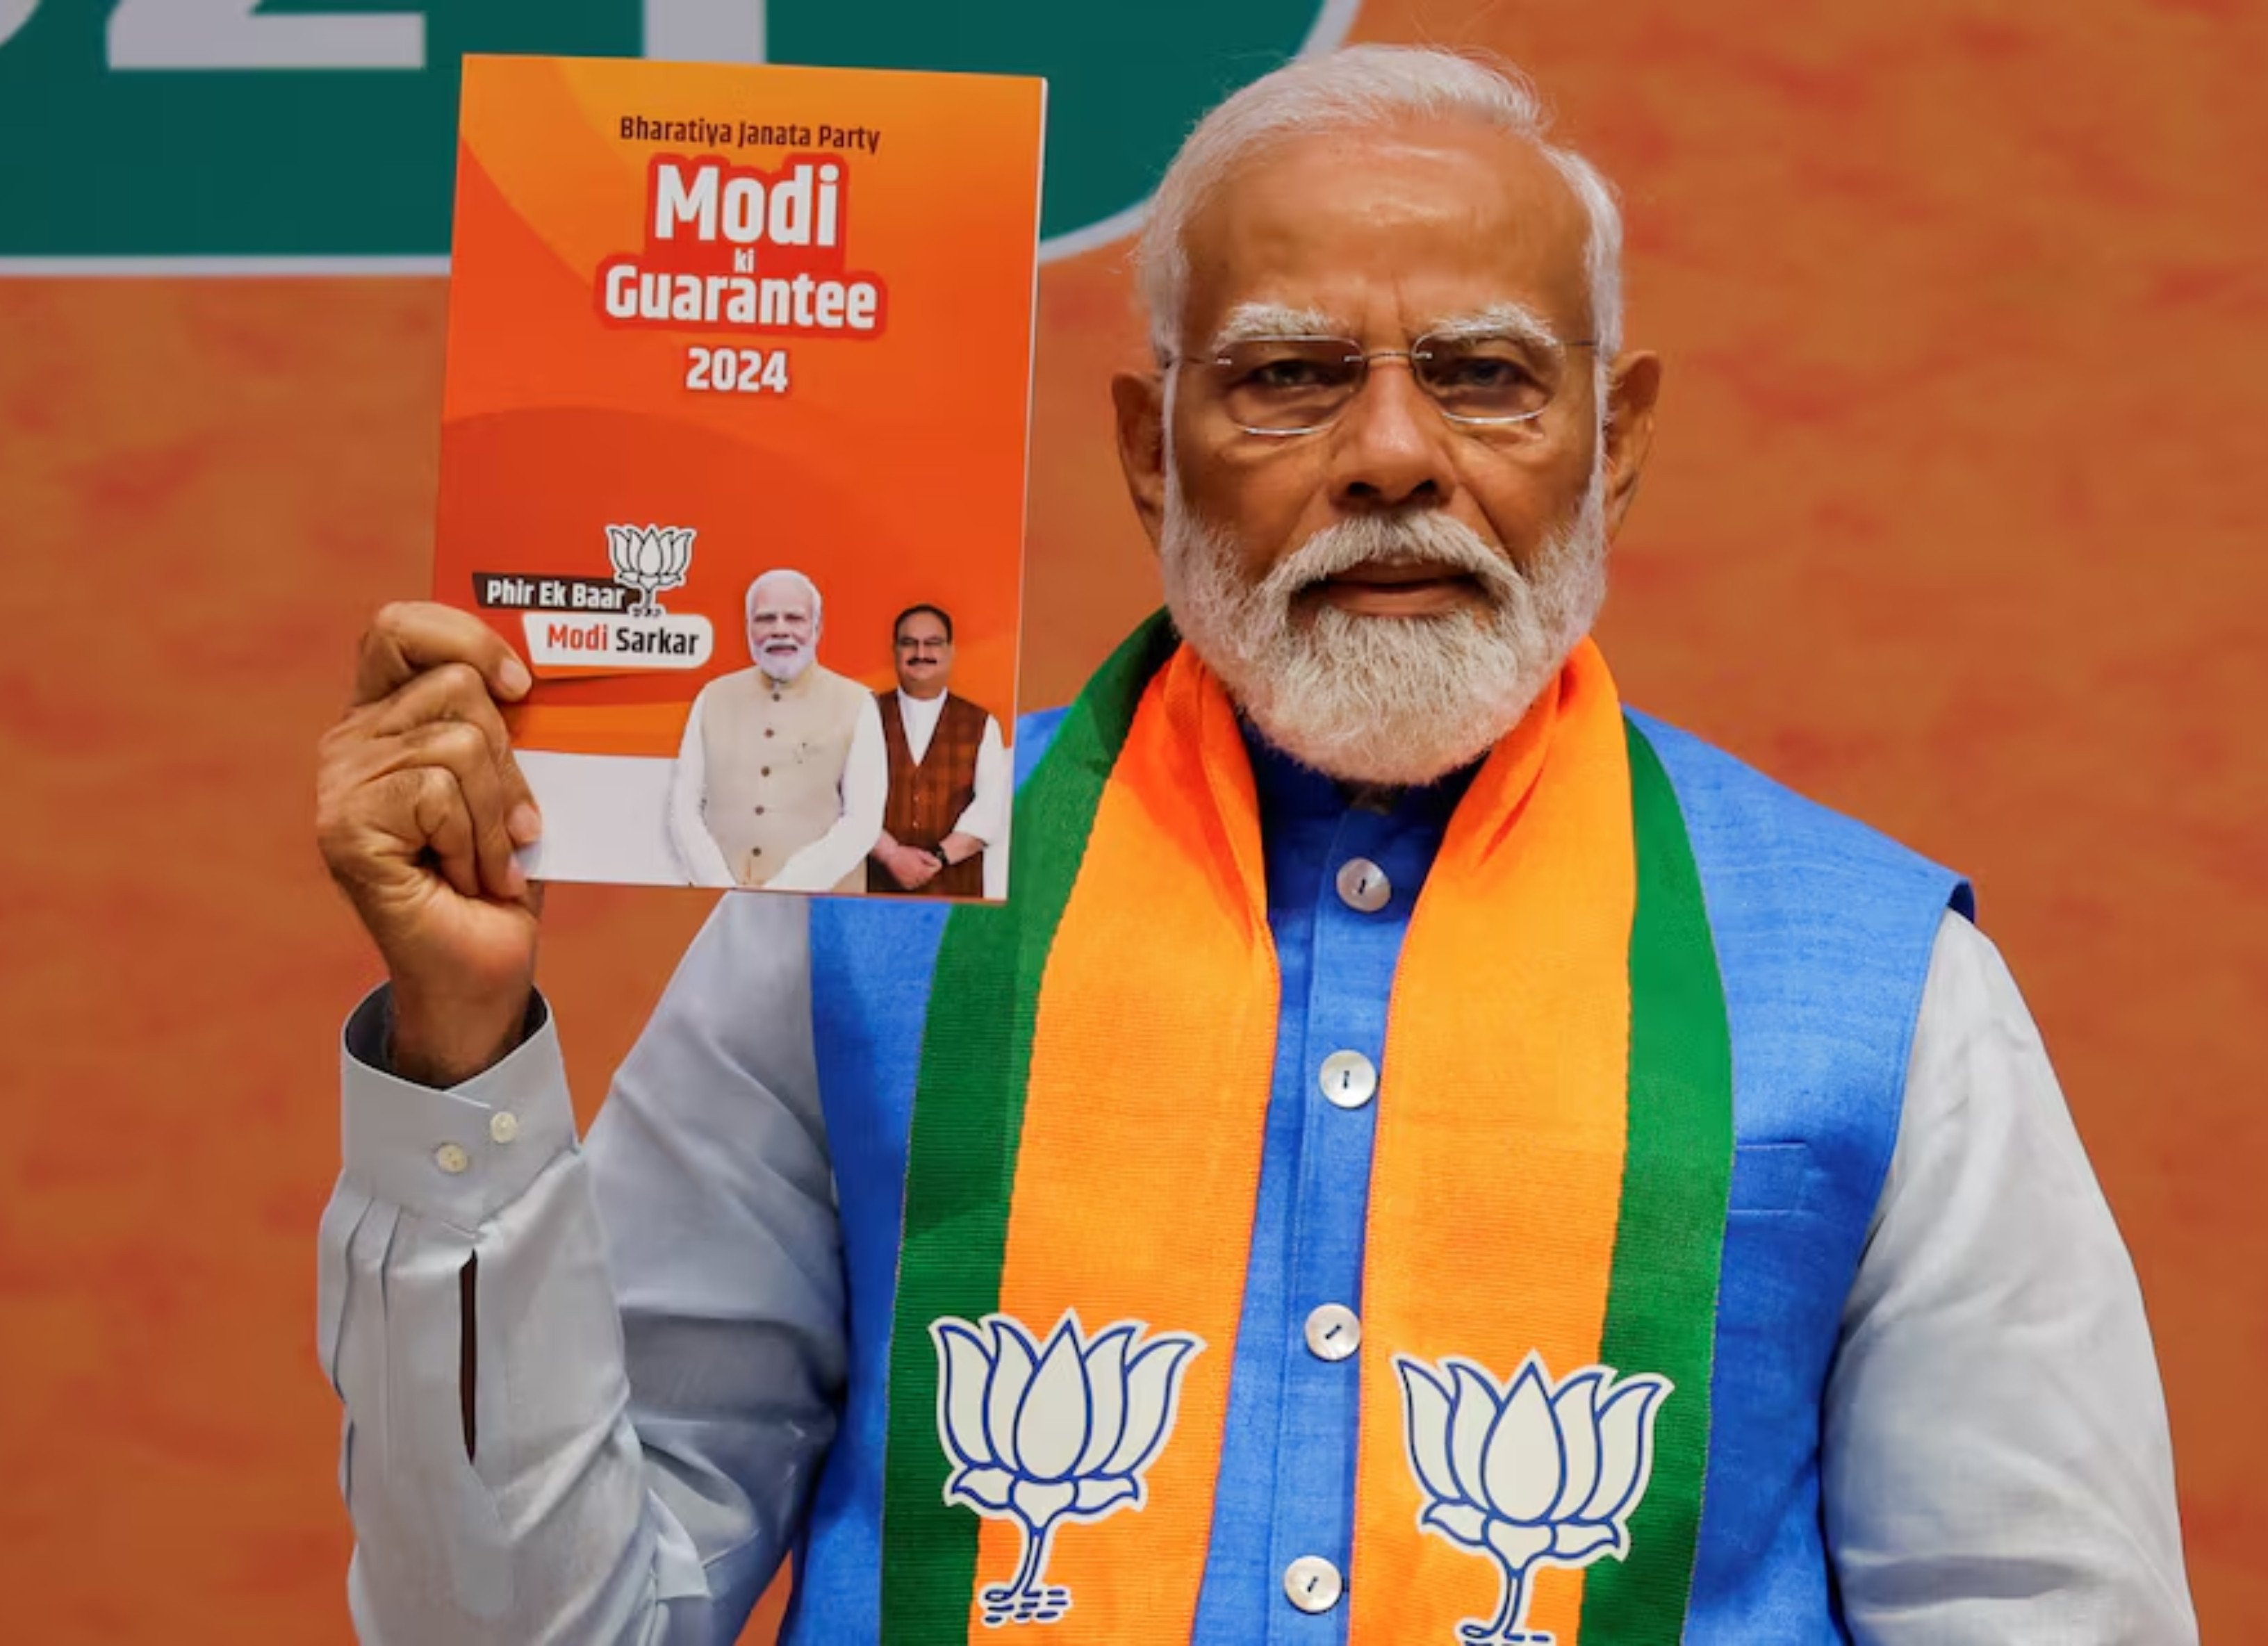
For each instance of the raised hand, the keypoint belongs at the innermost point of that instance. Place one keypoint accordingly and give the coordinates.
(419, 805)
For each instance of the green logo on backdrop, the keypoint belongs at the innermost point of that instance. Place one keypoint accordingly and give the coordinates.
(237, 131)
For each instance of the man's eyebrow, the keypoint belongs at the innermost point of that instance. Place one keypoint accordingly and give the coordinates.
(1498, 319)
(1248, 320)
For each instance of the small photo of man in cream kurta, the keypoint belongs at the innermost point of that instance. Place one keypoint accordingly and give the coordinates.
(782, 775)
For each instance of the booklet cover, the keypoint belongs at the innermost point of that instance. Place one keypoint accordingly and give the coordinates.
(734, 449)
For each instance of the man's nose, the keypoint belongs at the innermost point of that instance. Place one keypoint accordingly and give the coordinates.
(1390, 447)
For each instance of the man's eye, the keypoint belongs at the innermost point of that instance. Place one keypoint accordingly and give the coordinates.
(1289, 373)
(1478, 372)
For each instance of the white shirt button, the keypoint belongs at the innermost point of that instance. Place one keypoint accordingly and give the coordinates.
(503, 1125)
(451, 1158)
(1333, 1332)
(1363, 885)
(1313, 1583)
(1348, 1079)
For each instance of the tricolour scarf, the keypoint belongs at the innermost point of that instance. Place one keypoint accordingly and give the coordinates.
(1552, 1155)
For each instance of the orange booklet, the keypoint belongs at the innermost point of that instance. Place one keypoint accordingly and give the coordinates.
(733, 453)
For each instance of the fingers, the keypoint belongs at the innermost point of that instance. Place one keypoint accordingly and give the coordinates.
(478, 841)
(408, 637)
(911, 867)
(444, 821)
(457, 693)
(377, 814)
(434, 791)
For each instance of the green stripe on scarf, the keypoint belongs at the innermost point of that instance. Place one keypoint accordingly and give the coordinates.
(969, 1109)
(1661, 1302)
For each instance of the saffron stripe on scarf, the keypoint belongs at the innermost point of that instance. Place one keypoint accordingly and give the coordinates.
(1661, 1309)
(967, 1116)
(1146, 1103)
(1497, 1175)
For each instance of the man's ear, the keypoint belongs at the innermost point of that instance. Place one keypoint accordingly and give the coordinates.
(1633, 384)
(1139, 399)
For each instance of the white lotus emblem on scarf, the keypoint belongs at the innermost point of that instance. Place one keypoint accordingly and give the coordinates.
(650, 559)
(1044, 1436)
(1528, 1473)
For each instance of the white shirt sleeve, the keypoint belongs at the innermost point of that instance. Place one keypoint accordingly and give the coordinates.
(986, 815)
(658, 1340)
(997, 850)
(865, 789)
(698, 854)
(1995, 1457)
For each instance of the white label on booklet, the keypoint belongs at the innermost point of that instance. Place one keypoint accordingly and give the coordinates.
(664, 641)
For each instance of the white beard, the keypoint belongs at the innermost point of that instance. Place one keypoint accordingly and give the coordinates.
(785, 665)
(1385, 700)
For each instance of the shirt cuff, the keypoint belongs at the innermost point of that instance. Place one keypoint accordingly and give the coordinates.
(458, 1156)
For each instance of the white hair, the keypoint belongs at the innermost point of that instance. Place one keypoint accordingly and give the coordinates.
(1361, 87)
(787, 573)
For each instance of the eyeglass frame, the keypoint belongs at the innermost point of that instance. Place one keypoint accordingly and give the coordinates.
(1356, 351)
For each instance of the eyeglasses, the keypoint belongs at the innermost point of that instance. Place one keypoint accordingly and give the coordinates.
(1290, 385)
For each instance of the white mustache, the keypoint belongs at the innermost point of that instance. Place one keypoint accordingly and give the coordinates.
(1424, 537)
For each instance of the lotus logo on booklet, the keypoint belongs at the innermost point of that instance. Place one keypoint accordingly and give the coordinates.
(650, 559)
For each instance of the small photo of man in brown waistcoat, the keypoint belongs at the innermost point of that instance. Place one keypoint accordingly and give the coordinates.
(949, 774)
(781, 774)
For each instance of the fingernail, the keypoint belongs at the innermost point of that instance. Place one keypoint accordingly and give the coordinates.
(525, 825)
(514, 677)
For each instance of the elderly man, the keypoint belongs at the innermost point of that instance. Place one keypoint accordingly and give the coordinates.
(1425, 1155)
(948, 773)
(781, 773)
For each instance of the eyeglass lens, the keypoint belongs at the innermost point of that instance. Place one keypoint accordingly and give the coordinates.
(1288, 383)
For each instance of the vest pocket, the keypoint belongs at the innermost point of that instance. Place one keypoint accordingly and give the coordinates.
(1772, 1179)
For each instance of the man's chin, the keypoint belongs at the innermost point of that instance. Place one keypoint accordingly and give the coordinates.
(1396, 702)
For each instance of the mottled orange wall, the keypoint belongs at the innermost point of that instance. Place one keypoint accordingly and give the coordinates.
(1950, 523)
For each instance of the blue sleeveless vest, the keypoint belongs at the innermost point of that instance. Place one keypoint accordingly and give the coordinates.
(1824, 931)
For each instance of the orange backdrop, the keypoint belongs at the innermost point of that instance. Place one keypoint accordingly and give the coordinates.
(1949, 523)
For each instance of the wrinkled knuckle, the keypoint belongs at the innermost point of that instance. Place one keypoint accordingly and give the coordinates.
(458, 743)
(462, 684)
(413, 788)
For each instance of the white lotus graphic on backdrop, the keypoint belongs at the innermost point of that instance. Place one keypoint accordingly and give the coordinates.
(650, 559)
(1528, 1473)
(1046, 1435)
